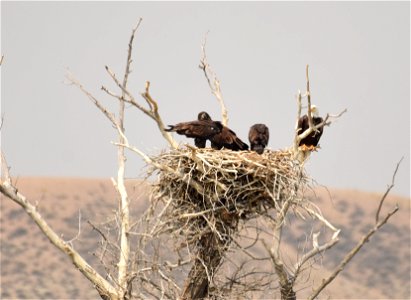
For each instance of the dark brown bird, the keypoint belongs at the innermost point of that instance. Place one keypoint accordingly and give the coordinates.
(226, 138)
(200, 130)
(258, 137)
(311, 141)
(200, 142)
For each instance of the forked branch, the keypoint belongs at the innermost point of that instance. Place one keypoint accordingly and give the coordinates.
(316, 250)
(213, 82)
(361, 243)
(129, 52)
(156, 116)
(377, 215)
(70, 77)
(9, 190)
(284, 278)
(124, 209)
(151, 112)
(351, 254)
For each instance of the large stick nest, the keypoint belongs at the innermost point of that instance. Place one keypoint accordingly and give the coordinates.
(212, 190)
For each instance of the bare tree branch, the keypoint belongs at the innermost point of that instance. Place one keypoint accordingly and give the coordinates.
(130, 99)
(213, 81)
(361, 243)
(157, 287)
(120, 185)
(130, 50)
(308, 93)
(351, 254)
(124, 219)
(78, 232)
(297, 139)
(156, 116)
(314, 251)
(105, 238)
(5, 175)
(287, 292)
(104, 110)
(152, 112)
(7, 189)
(377, 215)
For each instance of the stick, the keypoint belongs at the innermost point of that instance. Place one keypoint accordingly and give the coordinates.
(351, 254)
(377, 215)
(7, 189)
(213, 82)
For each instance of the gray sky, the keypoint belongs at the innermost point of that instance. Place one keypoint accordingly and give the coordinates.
(358, 52)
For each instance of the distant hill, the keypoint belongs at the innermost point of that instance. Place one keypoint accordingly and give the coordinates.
(32, 268)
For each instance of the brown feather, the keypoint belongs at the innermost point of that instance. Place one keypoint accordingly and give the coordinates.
(196, 129)
(227, 139)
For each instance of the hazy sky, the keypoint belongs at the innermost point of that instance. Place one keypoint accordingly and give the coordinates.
(358, 52)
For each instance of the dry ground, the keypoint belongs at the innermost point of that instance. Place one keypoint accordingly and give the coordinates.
(31, 268)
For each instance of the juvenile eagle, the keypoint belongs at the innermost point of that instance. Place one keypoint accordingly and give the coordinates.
(200, 142)
(226, 138)
(200, 130)
(311, 141)
(258, 137)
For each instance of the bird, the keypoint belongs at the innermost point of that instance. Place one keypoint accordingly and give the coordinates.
(200, 142)
(226, 138)
(258, 137)
(310, 142)
(200, 130)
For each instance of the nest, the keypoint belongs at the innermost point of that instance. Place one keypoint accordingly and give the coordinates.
(207, 190)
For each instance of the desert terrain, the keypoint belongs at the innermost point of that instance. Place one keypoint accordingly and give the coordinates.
(32, 268)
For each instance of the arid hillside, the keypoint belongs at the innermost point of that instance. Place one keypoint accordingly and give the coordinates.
(31, 268)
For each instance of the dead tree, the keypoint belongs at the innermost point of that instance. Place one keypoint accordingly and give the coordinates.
(201, 205)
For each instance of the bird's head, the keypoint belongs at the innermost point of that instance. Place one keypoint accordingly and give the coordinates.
(314, 111)
(203, 116)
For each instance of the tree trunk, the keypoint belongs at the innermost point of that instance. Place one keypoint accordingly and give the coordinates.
(210, 252)
(287, 292)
